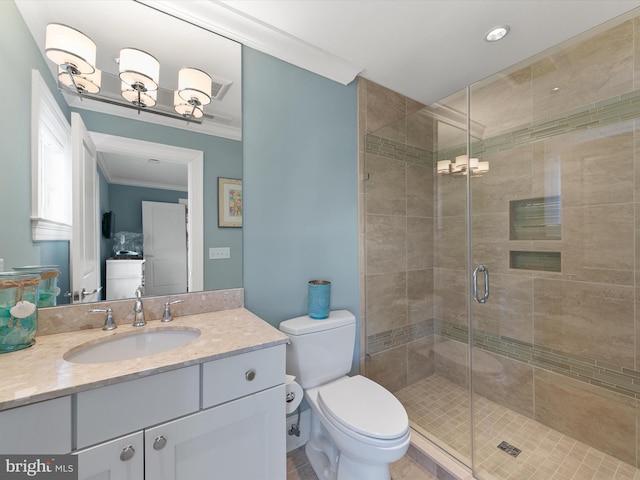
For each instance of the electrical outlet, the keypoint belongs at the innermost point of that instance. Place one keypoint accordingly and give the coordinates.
(219, 253)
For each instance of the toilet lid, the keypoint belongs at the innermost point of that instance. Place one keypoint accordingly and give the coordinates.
(363, 406)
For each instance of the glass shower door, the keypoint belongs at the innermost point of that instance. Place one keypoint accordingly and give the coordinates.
(554, 220)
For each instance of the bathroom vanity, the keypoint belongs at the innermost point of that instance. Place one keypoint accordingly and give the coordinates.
(213, 405)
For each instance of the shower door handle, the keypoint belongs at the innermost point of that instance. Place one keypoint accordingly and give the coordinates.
(485, 270)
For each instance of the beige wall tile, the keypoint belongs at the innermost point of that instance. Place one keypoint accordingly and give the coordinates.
(419, 243)
(420, 363)
(450, 290)
(490, 241)
(512, 112)
(509, 310)
(450, 242)
(420, 127)
(386, 191)
(386, 244)
(509, 178)
(592, 415)
(590, 320)
(451, 196)
(586, 72)
(598, 243)
(504, 381)
(419, 191)
(587, 158)
(389, 368)
(386, 300)
(384, 107)
(420, 295)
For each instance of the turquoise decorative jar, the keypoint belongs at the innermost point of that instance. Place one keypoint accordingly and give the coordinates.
(48, 291)
(319, 299)
(18, 310)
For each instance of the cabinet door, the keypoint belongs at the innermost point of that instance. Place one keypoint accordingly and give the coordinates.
(121, 459)
(240, 440)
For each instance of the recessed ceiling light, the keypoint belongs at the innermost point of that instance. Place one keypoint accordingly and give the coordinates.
(497, 33)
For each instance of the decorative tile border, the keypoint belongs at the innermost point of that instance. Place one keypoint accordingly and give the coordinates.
(595, 372)
(388, 339)
(400, 151)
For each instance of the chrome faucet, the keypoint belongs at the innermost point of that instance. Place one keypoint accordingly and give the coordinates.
(138, 310)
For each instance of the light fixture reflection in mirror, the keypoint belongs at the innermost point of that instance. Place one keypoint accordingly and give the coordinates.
(139, 71)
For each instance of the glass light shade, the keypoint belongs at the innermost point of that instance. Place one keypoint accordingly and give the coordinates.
(138, 67)
(185, 109)
(146, 99)
(443, 166)
(89, 83)
(68, 46)
(194, 84)
(483, 167)
(473, 164)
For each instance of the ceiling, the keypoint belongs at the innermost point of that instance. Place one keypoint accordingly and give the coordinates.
(430, 49)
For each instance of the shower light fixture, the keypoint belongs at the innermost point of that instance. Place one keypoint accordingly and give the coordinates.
(497, 33)
(461, 167)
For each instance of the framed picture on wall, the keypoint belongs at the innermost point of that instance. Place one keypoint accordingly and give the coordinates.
(229, 202)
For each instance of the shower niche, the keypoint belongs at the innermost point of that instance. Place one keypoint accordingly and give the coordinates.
(534, 220)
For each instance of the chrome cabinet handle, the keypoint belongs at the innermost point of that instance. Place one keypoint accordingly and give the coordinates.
(476, 298)
(127, 453)
(159, 443)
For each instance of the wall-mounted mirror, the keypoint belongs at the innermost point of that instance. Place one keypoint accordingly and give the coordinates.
(114, 25)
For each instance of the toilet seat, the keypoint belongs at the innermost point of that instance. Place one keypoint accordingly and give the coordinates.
(363, 408)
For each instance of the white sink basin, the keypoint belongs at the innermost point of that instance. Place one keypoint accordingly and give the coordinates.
(126, 346)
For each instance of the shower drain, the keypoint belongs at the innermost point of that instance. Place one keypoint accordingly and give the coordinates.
(510, 449)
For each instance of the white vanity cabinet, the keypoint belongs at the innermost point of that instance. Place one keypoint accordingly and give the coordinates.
(121, 459)
(219, 420)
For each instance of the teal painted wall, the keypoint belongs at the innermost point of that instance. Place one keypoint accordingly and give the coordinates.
(126, 203)
(19, 55)
(300, 188)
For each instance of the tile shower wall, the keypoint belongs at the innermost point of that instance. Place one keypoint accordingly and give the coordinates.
(396, 158)
(562, 348)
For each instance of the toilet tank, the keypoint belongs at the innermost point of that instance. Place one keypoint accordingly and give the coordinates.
(320, 350)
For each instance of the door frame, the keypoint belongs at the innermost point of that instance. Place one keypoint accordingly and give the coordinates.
(194, 160)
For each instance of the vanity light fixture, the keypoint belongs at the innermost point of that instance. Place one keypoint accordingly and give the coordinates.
(497, 33)
(72, 51)
(194, 89)
(461, 167)
(140, 74)
(137, 82)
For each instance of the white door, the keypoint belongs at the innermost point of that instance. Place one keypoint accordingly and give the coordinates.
(84, 248)
(164, 232)
(121, 459)
(240, 440)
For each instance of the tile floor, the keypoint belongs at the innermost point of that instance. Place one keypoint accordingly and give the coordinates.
(439, 409)
(298, 468)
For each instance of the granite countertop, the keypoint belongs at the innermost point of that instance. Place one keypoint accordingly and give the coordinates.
(40, 372)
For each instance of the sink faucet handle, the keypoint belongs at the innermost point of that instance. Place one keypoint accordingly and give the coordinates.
(166, 316)
(109, 323)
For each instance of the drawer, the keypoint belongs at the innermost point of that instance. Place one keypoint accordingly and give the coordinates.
(112, 411)
(243, 374)
(39, 428)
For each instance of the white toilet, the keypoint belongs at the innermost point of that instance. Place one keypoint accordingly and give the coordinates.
(357, 426)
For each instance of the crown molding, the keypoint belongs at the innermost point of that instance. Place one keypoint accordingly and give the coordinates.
(219, 18)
